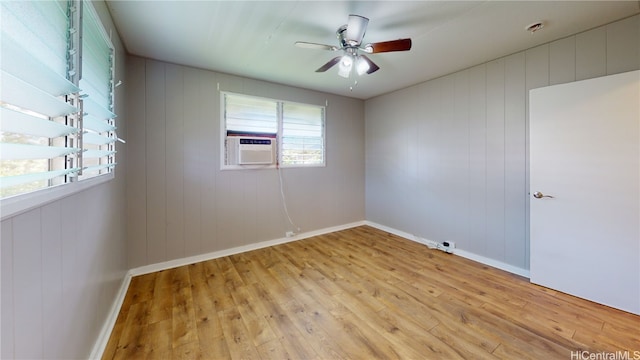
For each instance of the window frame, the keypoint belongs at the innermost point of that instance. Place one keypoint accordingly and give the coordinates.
(279, 134)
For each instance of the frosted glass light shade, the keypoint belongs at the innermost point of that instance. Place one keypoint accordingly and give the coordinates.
(362, 66)
(345, 66)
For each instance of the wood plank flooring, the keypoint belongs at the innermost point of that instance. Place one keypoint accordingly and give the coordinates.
(357, 294)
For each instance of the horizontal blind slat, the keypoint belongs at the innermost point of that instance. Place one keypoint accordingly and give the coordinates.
(13, 151)
(95, 168)
(97, 125)
(93, 108)
(21, 123)
(9, 181)
(41, 26)
(97, 54)
(96, 139)
(93, 153)
(26, 96)
(29, 69)
(92, 91)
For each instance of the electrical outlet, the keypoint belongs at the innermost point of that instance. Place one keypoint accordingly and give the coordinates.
(448, 246)
(289, 234)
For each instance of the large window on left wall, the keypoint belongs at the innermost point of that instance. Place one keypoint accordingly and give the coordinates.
(56, 101)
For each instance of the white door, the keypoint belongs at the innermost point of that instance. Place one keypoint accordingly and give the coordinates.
(585, 163)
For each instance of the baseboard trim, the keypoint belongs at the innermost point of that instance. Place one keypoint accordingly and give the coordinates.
(493, 263)
(460, 252)
(103, 338)
(237, 250)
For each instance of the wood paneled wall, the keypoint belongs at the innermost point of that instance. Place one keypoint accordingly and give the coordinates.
(179, 201)
(63, 262)
(447, 160)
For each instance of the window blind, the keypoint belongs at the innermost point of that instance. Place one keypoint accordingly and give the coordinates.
(249, 115)
(96, 84)
(302, 134)
(37, 100)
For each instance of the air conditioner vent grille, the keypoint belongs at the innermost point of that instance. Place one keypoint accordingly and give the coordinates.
(250, 150)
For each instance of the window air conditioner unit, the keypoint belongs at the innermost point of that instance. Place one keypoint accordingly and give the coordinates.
(243, 150)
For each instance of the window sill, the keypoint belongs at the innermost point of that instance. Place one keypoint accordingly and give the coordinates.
(271, 166)
(298, 166)
(247, 167)
(19, 204)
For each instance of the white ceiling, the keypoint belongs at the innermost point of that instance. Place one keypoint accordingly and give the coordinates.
(256, 38)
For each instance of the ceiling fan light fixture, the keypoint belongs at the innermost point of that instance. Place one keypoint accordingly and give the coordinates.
(362, 66)
(346, 60)
(350, 38)
(346, 63)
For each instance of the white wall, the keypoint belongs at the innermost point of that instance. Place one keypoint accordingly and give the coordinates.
(179, 201)
(63, 262)
(447, 160)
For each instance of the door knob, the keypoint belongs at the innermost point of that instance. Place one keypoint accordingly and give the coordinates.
(539, 195)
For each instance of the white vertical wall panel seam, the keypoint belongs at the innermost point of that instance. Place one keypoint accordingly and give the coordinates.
(210, 138)
(53, 295)
(28, 299)
(515, 160)
(591, 54)
(193, 156)
(174, 139)
(7, 313)
(155, 128)
(136, 177)
(623, 52)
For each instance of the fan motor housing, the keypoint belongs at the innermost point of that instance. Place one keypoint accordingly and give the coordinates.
(340, 33)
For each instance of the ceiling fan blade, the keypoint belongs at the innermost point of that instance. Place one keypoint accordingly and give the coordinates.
(372, 66)
(308, 45)
(329, 64)
(356, 27)
(388, 46)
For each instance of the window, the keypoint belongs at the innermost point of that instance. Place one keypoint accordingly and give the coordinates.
(302, 134)
(41, 133)
(254, 127)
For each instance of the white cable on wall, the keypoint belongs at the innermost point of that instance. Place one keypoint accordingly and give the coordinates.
(284, 201)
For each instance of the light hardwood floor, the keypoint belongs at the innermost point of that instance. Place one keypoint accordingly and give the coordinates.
(359, 294)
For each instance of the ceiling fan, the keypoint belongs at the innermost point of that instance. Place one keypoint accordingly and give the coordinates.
(350, 42)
